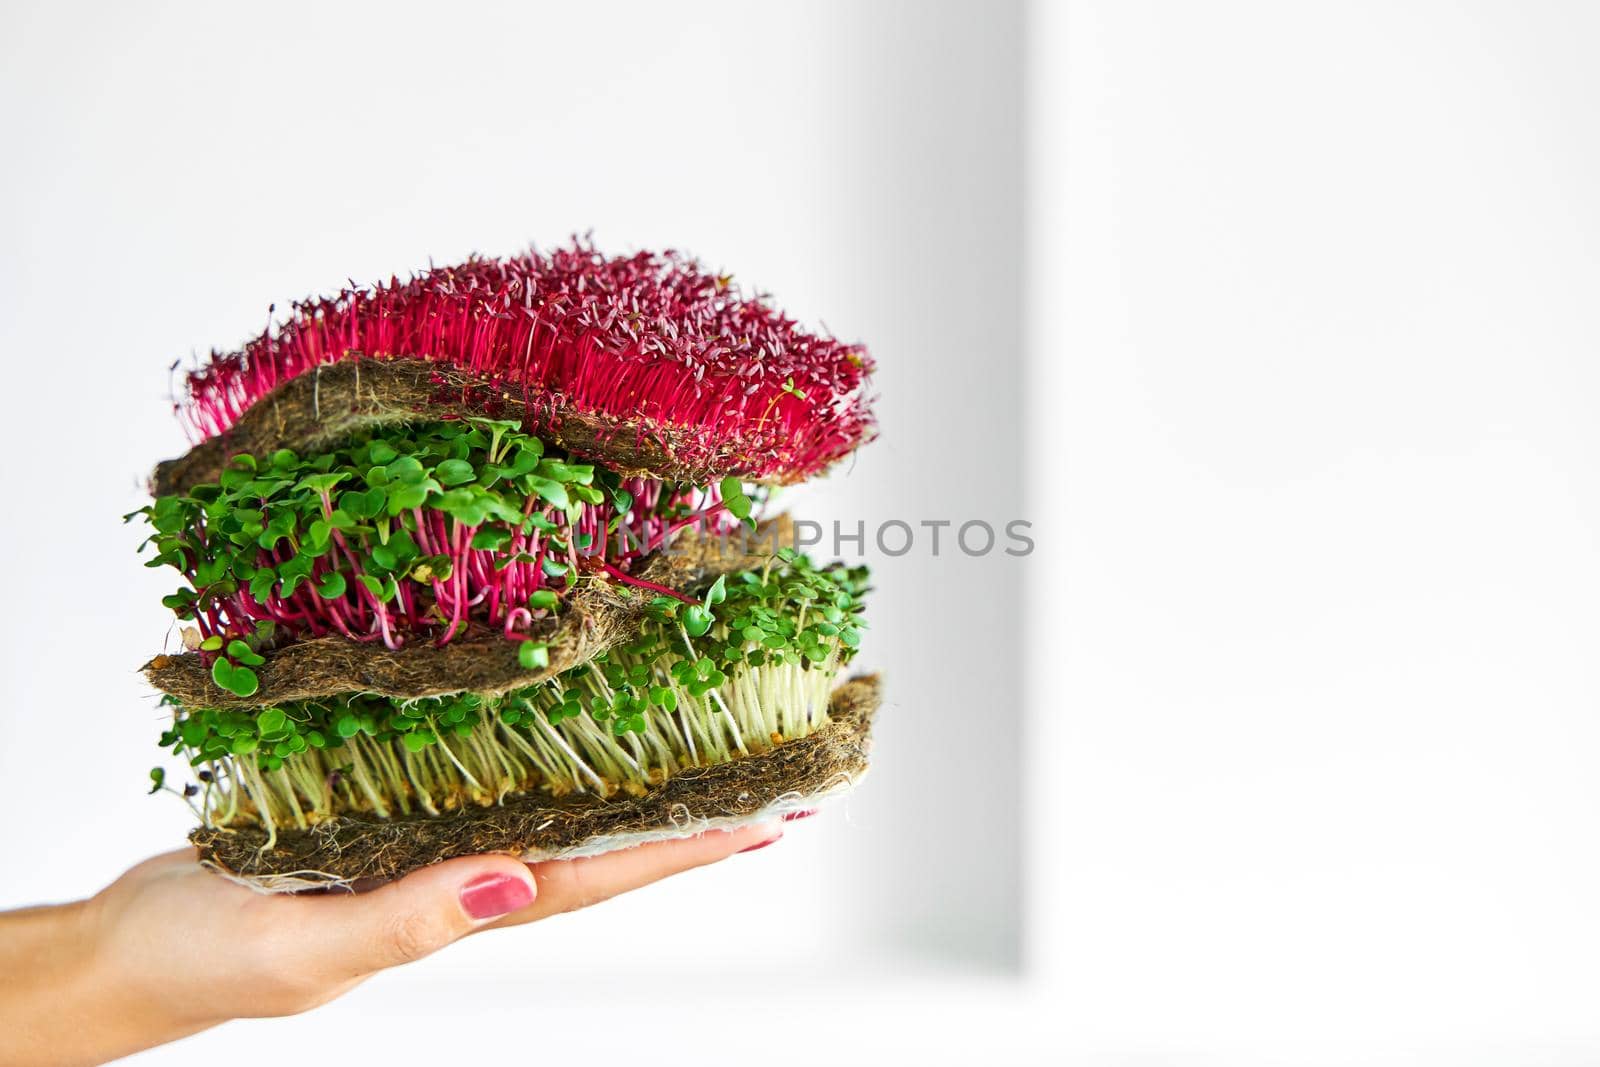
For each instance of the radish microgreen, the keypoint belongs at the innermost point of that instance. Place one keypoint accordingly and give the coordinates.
(426, 530)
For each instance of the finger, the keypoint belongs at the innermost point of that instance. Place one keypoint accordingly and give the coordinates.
(413, 917)
(566, 885)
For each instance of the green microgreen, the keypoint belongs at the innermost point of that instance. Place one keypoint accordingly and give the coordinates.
(747, 665)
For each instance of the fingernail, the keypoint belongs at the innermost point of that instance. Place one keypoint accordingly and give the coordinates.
(794, 815)
(760, 844)
(495, 895)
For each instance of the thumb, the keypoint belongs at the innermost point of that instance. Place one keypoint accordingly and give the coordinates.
(425, 911)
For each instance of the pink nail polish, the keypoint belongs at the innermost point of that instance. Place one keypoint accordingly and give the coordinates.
(495, 895)
(760, 844)
(797, 815)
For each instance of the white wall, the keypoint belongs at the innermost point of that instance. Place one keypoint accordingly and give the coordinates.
(1317, 341)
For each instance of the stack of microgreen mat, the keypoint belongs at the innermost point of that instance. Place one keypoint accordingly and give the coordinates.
(473, 562)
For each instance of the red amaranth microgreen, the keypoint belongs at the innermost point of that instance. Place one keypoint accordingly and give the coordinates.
(427, 530)
(650, 340)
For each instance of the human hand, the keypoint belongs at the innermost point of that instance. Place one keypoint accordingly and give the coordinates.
(170, 949)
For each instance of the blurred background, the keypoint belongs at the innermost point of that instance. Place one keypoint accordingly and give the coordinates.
(1277, 322)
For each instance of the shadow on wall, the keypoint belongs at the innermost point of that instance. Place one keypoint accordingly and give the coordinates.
(935, 173)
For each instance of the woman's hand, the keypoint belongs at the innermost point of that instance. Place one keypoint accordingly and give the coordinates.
(170, 949)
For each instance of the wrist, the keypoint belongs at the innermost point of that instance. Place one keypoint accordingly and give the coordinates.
(45, 956)
(120, 970)
(69, 994)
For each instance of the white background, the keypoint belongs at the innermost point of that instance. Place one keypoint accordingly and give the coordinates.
(1308, 742)
(1315, 331)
